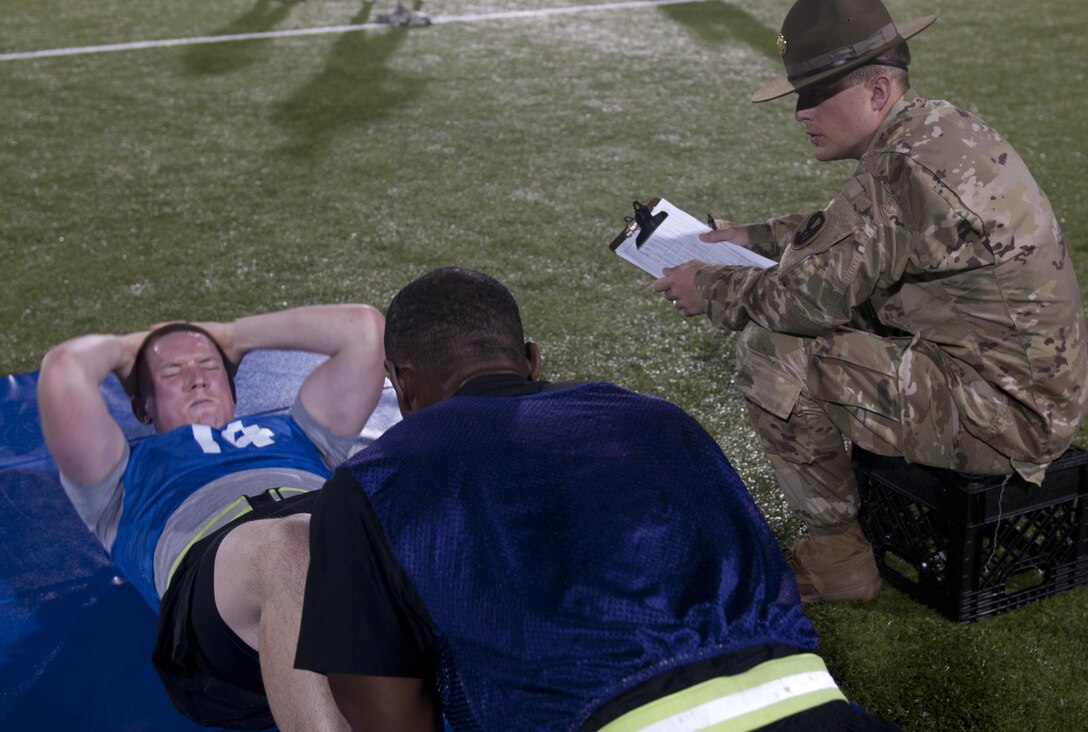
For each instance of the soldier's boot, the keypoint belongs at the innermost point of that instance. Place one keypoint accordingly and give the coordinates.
(834, 567)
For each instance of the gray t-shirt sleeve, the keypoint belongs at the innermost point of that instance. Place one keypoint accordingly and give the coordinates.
(334, 449)
(99, 505)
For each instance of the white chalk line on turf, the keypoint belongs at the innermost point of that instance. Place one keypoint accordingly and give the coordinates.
(167, 42)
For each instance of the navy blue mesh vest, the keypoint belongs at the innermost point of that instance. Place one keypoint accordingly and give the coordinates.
(571, 545)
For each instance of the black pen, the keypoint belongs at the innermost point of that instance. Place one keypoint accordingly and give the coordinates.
(711, 223)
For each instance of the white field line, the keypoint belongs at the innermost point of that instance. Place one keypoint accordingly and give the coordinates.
(167, 42)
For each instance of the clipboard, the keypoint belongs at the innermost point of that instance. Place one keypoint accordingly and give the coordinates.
(671, 239)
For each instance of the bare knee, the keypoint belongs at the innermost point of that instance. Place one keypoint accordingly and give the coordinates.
(264, 551)
(258, 564)
(288, 544)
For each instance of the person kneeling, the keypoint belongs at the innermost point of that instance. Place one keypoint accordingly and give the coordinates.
(546, 556)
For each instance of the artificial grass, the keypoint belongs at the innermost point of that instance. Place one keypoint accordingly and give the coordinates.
(210, 181)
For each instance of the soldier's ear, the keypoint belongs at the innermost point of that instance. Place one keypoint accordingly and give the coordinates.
(880, 92)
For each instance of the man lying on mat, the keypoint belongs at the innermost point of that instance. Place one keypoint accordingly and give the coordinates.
(211, 514)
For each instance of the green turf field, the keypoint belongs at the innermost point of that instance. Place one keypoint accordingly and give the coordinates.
(208, 181)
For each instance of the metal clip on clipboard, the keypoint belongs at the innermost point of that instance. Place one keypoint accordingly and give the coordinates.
(644, 220)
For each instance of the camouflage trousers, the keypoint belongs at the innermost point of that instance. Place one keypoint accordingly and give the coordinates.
(809, 398)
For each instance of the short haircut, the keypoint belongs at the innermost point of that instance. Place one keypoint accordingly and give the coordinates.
(893, 62)
(452, 316)
(140, 384)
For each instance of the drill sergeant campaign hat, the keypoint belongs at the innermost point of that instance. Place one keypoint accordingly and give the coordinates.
(825, 38)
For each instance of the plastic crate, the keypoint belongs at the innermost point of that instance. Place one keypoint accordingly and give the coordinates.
(972, 545)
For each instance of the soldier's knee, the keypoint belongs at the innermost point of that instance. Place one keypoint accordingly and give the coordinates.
(748, 344)
(758, 349)
(771, 369)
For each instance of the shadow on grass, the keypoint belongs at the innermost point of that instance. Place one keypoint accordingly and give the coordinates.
(353, 89)
(716, 23)
(222, 58)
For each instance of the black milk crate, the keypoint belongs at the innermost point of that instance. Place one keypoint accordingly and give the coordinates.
(974, 545)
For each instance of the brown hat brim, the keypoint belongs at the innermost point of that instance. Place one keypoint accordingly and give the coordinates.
(781, 85)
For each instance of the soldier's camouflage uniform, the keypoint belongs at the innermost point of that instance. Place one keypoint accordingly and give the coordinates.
(930, 311)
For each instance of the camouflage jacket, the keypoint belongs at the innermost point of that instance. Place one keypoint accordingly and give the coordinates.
(945, 236)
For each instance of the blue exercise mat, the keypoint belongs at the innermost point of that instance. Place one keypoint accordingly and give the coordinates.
(75, 637)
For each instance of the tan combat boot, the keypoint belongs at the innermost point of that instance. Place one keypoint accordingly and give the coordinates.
(834, 567)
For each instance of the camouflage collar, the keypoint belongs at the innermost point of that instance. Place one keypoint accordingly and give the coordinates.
(909, 100)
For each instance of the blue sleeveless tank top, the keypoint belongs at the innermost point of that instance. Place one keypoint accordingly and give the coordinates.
(165, 469)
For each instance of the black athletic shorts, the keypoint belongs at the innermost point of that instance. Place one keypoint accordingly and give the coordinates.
(210, 674)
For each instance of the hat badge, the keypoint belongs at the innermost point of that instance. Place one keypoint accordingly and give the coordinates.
(780, 44)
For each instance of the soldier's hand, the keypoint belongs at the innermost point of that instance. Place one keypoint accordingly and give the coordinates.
(678, 287)
(727, 231)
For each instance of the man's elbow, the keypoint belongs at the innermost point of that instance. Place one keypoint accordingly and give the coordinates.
(367, 326)
(59, 365)
(370, 316)
(55, 357)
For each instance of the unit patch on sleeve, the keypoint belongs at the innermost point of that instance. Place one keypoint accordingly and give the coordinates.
(812, 227)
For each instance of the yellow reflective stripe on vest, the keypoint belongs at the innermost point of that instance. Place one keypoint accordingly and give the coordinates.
(220, 519)
(214, 520)
(761, 695)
